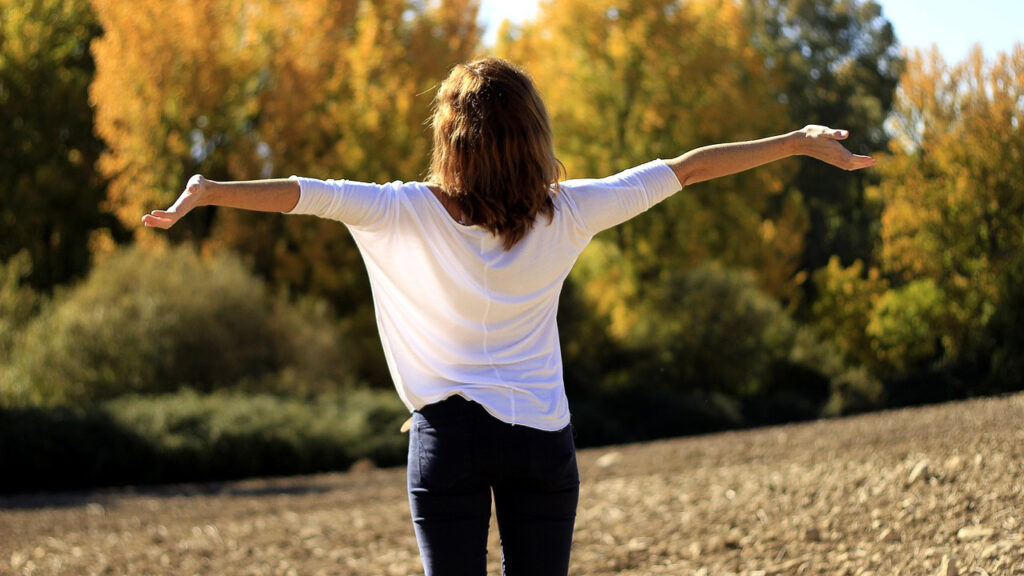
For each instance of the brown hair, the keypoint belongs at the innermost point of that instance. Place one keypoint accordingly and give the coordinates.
(493, 153)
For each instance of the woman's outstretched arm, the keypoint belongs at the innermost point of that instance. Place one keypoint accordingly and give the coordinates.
(819, 142)
(277, 195)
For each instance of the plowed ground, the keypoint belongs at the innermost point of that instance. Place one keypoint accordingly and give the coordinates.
(912, 492)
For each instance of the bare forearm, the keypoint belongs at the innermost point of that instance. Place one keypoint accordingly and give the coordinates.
(709, 162)
(262, 195)
(278, 195)
(818, 142)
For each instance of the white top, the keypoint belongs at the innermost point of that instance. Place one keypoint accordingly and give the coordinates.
(457, 314)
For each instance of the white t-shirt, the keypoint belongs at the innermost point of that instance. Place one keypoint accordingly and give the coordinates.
(458, 314)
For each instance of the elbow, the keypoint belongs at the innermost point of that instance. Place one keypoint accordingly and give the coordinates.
(685, 172)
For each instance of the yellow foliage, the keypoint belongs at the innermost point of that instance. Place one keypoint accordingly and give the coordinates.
(626, 82)
(610, 286)
(166, 72)
(952, 187)
(243, 89)
(847, 297)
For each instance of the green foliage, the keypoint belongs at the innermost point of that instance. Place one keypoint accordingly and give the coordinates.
(710, 328)
(905, 326)
(953, 190)
(713, 330)
(1006, 332)
(158, 321)
(232, 435)
(191, 437)
(18, 303)
(52, 193)
(687, 352)
(839, 65)
(853, 391)
(846, 298)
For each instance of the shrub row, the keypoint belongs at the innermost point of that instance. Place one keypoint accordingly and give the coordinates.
(704, 349)
(157, 321)
(188, 437)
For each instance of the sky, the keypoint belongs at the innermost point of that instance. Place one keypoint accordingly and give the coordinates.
(952, 25)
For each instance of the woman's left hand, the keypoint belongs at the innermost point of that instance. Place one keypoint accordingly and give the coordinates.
(189, 199)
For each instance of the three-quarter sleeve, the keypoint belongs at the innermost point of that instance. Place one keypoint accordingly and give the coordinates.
(357, 204)
(603, 203)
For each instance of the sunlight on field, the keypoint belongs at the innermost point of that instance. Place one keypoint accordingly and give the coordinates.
(905, 492)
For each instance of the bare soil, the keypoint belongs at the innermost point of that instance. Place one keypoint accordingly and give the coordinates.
(925, 491)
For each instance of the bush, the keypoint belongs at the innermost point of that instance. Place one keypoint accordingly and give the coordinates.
(187, 437)
(846, 297)
(18, 302)
(854, 391)
(906, 327)
(1006, 332)
(695, 351)
(150, 322)
(711, 329)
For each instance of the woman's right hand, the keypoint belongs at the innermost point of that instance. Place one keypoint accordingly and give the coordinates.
(189, 199)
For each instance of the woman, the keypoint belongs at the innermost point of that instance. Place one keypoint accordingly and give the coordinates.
(466, 271)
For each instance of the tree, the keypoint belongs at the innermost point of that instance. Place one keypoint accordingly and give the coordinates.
(847, 297)
(954, 192)
(839, 65)
(254, 88)
(175, 94)
(626, 82)
(52, 194)
(258, 88)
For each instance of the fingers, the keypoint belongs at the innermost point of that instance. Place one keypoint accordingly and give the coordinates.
(158, 219)
(857, 162)
(851, 161)
(823, 144)
(161, 218)
(185, 202)
(847, 160)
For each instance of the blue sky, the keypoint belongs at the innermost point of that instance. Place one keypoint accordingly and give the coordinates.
(953, 25)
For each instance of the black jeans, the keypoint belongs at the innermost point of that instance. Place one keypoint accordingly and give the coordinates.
(458, 455)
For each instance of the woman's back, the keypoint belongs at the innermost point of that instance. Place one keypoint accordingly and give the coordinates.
(458, 313)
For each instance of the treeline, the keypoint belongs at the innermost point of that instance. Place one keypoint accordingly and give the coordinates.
(790, 292)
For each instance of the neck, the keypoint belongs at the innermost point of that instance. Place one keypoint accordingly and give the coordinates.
(451, 205)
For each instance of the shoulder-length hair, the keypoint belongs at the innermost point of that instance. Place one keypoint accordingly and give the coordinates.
(493, 152)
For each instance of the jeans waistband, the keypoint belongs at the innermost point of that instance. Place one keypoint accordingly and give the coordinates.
(450, 406)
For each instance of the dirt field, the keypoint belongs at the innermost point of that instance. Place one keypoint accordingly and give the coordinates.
(937, 490)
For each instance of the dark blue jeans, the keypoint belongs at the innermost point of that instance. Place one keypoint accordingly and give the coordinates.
(458, 455)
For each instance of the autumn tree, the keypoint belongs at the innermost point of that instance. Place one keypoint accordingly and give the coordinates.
(347, 100)
(953, 226)
(175, 94)
(626, 82)
(52, 194)
(256, 88)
